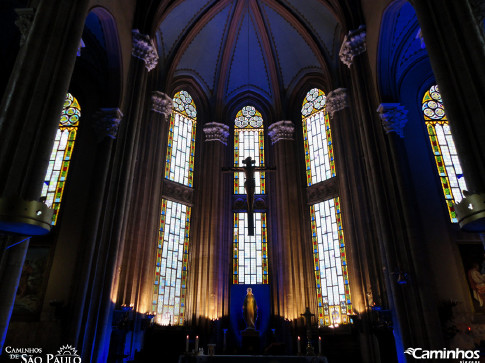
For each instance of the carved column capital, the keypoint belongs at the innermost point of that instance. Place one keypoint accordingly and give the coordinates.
(144, 49)
(162, 104)
(337, 100)
(394, 117)
(215, 131)
(107, 122)
(281, 130)
(24, 22)
(354, 44)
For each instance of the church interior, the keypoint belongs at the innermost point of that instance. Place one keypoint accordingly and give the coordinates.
(242, 180)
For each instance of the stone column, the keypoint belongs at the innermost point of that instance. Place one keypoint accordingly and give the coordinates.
(393, 245)
(294, 279)
(114, 216)
(138, 268)
(209, 271)
(36, 91)
(453, 34)
(106, 123)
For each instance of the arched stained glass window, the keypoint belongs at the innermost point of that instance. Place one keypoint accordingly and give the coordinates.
(250, 253)
(181, 140)
(329, 257)
(173, 242)
(249, 141)
(171, 264)
(317, 138)
(443, 146)
(56, 175)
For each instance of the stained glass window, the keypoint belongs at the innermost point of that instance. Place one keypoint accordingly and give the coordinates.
(60, 158)
(317, 138)
(446, 157)
(249, 141)
(250, 253)
(330, 262)
(179, 165)
(171, 266)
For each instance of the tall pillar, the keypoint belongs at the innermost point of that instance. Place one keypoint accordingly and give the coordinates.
(453, 35)
(36, 91)
(392, 245)
(106, 122)
(138, 268)
(113, 222)
(294, 279)
(210, 253)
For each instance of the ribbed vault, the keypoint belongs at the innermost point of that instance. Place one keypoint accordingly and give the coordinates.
(233, 48)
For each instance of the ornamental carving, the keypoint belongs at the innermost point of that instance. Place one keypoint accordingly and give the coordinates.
(354, 44)
(281, 130)
(144, 49)
(162, 104)
(177, 192)
(321, 191)
(214, 131)
(24, 22)
(337, 101)
(393, 117)
(107, 122)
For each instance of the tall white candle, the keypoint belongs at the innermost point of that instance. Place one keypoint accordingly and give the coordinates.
(187, 344)
(197, 344)
(299, 345)
(320, 345)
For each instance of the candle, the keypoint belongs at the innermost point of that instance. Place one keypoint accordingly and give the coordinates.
(197, 344)
(320, 345)
(225, 341)
(187, 344)
(299, 345)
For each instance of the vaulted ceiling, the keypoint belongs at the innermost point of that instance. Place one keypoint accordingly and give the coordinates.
(232, 47)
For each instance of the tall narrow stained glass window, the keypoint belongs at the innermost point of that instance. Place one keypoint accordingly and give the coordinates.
(329, 257)
(317, 138)
(250, 260)
(250, 253)
(171, 266)
(446, 157)
(173, 242)
(60, 159)
(181, 140)
(330, 262)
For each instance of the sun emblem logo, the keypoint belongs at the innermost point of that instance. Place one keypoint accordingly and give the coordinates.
(67, 350)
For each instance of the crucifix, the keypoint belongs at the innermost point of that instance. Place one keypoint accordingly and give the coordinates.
(249, 169)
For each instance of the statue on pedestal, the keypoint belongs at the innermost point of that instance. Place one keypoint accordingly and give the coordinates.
(250, 310)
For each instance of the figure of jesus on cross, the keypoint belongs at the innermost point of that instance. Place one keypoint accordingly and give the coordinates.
(249, 169)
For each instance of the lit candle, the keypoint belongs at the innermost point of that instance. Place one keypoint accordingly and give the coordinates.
(197, 344)
(299, 345)
(320, 345)
(187, 344)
